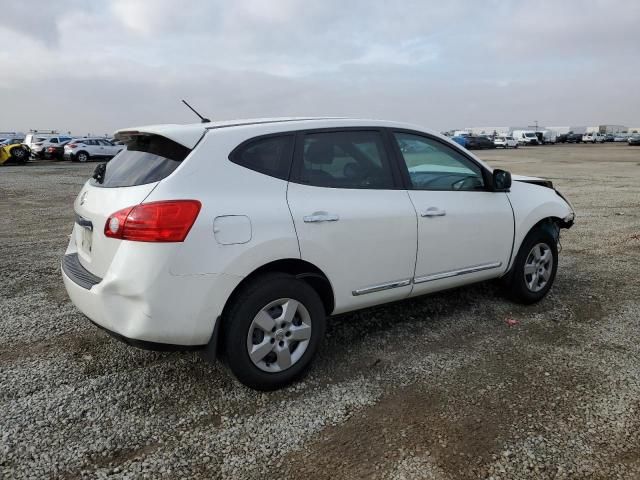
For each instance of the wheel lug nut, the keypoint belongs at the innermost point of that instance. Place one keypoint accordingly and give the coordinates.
(281, 343)
(273, 329)
(288, 334)
(273, 340)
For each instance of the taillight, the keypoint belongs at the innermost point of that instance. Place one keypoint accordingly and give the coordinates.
(71, 145)
(168, 221)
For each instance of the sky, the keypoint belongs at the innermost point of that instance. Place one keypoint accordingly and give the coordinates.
(93, 66)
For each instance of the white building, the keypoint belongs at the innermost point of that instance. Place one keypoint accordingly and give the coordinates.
(612, 129)
(563, 130)
(489, 130)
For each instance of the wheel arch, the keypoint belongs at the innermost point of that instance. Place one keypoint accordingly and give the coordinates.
(551, 224)
(301, 269)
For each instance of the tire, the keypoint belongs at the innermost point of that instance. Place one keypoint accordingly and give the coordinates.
(525, 288)
(19, 154)
(82, 157)
(261, 304)
(516, 146)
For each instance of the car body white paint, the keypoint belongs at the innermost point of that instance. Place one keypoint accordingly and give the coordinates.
(174, 292)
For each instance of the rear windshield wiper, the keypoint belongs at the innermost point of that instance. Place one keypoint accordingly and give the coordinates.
(98, 173)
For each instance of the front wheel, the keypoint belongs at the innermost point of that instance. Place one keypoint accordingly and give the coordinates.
(535, 267)
(19, 154)
(272, 330)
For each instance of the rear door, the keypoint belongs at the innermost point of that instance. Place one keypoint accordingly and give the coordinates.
(128, 180)
(465, 231)
(353, 219)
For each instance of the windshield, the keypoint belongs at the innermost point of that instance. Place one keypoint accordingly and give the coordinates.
(529, 135)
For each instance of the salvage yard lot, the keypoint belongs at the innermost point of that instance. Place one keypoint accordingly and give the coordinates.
(438, 387)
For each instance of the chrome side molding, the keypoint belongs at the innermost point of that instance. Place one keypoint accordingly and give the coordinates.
(426, 278)
(455, 273)
(382, 286)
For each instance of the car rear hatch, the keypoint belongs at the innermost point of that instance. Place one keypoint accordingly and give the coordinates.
(125, 181)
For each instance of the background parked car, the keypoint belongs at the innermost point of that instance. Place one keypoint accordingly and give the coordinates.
(562, 138)
(505, 142)
(621, 137)
(39, 143)
(55, 151)
(11, 140)
(634, 140)
(12, 150)
(479, 143)
(85, 149)
(593, 137)
(460, 139)
(31, 140)
(574, 137)
(609, 137)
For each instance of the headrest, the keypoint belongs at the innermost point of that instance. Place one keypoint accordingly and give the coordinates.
(320, 153)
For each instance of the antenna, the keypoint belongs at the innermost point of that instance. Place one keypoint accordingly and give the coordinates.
(202, 119)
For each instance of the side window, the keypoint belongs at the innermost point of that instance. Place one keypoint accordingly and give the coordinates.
(349, 159)
(433, 165)
(90, 142)
(270, 155)
(53, 140)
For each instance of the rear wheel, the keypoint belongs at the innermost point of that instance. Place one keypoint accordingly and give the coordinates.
(271, 331)
(82, 157)
(535, 267)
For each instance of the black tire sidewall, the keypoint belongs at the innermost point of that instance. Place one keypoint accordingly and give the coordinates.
(519, 290)
(237, 320)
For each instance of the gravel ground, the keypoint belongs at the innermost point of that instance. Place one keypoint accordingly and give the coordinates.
(433, 388)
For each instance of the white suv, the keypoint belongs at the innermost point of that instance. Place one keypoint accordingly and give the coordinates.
(505, 142)
(85, 149)
(594, 137)
(242, 237)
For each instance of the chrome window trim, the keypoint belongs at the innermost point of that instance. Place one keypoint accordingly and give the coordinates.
(382, 286)
(455, 273)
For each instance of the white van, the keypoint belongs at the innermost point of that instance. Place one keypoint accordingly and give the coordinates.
(548, 136)
(525, 137)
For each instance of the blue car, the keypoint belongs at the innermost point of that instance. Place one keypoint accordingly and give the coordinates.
(460, 140)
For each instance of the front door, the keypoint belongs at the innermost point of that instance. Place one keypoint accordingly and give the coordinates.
(352, 217)
(465, 231)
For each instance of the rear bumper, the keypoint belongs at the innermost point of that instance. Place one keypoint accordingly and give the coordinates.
(145, 305)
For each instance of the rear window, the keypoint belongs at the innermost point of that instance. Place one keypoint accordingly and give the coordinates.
(268, 155)
(146, 159)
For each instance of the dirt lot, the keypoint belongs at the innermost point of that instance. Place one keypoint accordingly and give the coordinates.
(434, 388)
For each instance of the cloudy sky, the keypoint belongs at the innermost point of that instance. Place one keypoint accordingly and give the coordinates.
(94, 66)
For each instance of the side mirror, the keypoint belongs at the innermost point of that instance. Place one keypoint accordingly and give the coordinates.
(501, 180)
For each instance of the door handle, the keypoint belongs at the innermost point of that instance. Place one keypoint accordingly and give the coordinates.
(433, 212)
(320, 217)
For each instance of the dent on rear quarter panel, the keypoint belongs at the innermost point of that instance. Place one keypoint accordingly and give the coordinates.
(532, 203)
